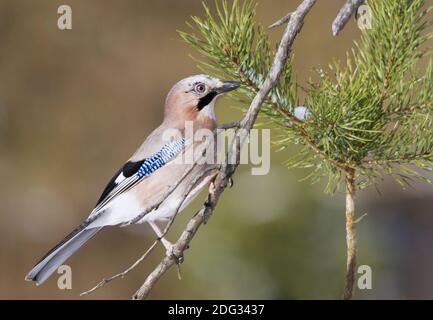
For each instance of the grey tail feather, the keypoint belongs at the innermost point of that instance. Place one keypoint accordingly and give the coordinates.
(62, 251)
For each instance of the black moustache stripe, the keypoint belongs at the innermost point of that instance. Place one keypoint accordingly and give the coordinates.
(204, 101)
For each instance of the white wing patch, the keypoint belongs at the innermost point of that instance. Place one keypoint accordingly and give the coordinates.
(147, 167)
(119, 178)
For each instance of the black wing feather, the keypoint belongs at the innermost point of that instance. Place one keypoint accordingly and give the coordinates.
(129, 169)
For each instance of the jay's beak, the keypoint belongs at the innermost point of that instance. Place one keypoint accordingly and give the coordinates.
(228, 86)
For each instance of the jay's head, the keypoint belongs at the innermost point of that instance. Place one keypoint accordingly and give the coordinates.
(193, 98)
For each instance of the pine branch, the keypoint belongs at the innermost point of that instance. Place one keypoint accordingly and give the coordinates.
(406, 159)
(290, 117)
(350, 234)
(371, 116)
(222, 180)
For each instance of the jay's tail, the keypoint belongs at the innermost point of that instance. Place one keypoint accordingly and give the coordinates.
(56, 256)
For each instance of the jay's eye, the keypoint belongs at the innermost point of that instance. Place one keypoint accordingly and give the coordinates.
(200, 88)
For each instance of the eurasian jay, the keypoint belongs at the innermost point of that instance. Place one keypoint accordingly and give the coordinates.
(151, 172)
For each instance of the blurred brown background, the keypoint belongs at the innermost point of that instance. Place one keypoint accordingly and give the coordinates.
(75, 104)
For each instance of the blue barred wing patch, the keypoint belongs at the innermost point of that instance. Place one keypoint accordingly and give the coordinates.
(156, 161)
(132, 172)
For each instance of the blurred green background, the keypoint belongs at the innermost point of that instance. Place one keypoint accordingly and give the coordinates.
(75, 104)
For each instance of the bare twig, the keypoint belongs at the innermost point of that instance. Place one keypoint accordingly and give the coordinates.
(230, 125)
(222, 179)
(283, 20)
(350, 234)
(121, 274)
(344, 15)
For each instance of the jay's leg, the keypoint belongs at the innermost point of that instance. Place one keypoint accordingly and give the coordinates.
(167, 244)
